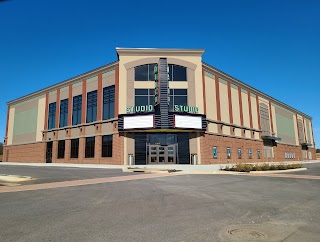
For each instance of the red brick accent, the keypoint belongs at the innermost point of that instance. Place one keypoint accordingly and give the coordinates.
(116, 101)
(58, 108)
(271, 119)
(230, 107)
(99, 98)
(84, 101)
(46, 112)
(204, 92)
(27, 153)
(250, 113)
(70, 106)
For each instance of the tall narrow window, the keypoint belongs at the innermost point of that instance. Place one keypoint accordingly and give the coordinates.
(63, 113)
(61, 149)
(259, 155)
(107, 146)
(52, 116)
(108, 102)
(92, 106)
(250, 153)
(89, 153)
(215, 152)
(228, 152)
(74, 148)
(77, 110)
(239, 153)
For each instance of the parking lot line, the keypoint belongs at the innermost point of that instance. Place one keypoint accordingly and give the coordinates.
(284, 176)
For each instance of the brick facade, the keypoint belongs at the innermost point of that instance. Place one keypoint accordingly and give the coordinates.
(207, 141)
(25, 153)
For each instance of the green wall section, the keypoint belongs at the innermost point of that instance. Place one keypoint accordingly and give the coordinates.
(25, 122)
(308, 131)
(285, 126)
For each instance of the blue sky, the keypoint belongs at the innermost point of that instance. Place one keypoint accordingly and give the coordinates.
(273, 46)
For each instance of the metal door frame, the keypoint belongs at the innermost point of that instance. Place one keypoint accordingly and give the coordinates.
(165, 155)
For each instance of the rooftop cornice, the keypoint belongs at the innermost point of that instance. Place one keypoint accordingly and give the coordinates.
(262, 94)
(159, 51)
(64, 83)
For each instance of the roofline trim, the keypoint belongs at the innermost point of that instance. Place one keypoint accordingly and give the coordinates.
(62, 83)
(255, 90)
(159, 50)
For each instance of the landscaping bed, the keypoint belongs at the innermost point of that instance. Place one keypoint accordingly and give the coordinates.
(261, 167)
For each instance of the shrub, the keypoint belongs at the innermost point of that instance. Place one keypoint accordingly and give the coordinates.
(242, 167)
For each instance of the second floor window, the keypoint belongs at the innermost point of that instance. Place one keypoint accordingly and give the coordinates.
(178, 97)
(108, 102)
(63, 113)
(144, 72)
(77, 110)
(52, 116)
(91, 106)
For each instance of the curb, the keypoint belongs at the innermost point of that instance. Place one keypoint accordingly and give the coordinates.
(277, 171)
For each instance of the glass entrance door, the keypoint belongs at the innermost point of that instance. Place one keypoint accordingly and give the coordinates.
(162, 154)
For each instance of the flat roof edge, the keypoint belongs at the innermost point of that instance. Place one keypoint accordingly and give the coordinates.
(256, 90)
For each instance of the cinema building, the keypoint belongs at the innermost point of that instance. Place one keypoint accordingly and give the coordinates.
(155, 106)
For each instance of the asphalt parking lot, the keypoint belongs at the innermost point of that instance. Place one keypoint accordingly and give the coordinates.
(174, 208)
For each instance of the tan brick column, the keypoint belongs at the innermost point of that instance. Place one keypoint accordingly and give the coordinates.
(54, 151)
(82, 146)
(97, 148)
(67, 152)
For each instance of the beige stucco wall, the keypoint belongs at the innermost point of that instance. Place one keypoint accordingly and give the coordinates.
(224, 101)
(108, 78)
(92, 84)
(211, 103)
(311, 134)
(274, 120)
(147, 85)
(235, 106)
(77, 89)
(53, 96)
(295, 129)
(41, 117)
(64, 93)
(254, 112)
(245, 108)
(10, 126)
(173, 58)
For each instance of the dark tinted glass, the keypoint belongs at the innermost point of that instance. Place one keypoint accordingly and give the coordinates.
(63, 113)
(180, 91)
(151, 72)
(107, 146)
(74, 148)
(179, 73)
(151, 91)
(141, 100)
(141, 73)
(52, 116)
(170, 72)
(91, 106)
(77, 110)
(89, 151)
(61, 148)
(141, 91)
(108, 102)
(181, 100)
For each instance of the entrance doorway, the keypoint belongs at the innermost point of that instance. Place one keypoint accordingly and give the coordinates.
(162, 154)
(49, 152)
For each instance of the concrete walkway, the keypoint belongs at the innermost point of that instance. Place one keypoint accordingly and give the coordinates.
(186, 168)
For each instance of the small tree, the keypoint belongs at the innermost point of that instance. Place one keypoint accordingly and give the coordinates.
(318, 150)
(1, 148)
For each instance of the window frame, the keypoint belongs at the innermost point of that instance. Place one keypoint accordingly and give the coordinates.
(228, 153)
(64, 109)
(74, 148)
(239, 153)
(214, 152)
(90, 147)
(92, 106)
(61, 149)
(52, 110)
(108, 102)
(107, 146)
(77, 109)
